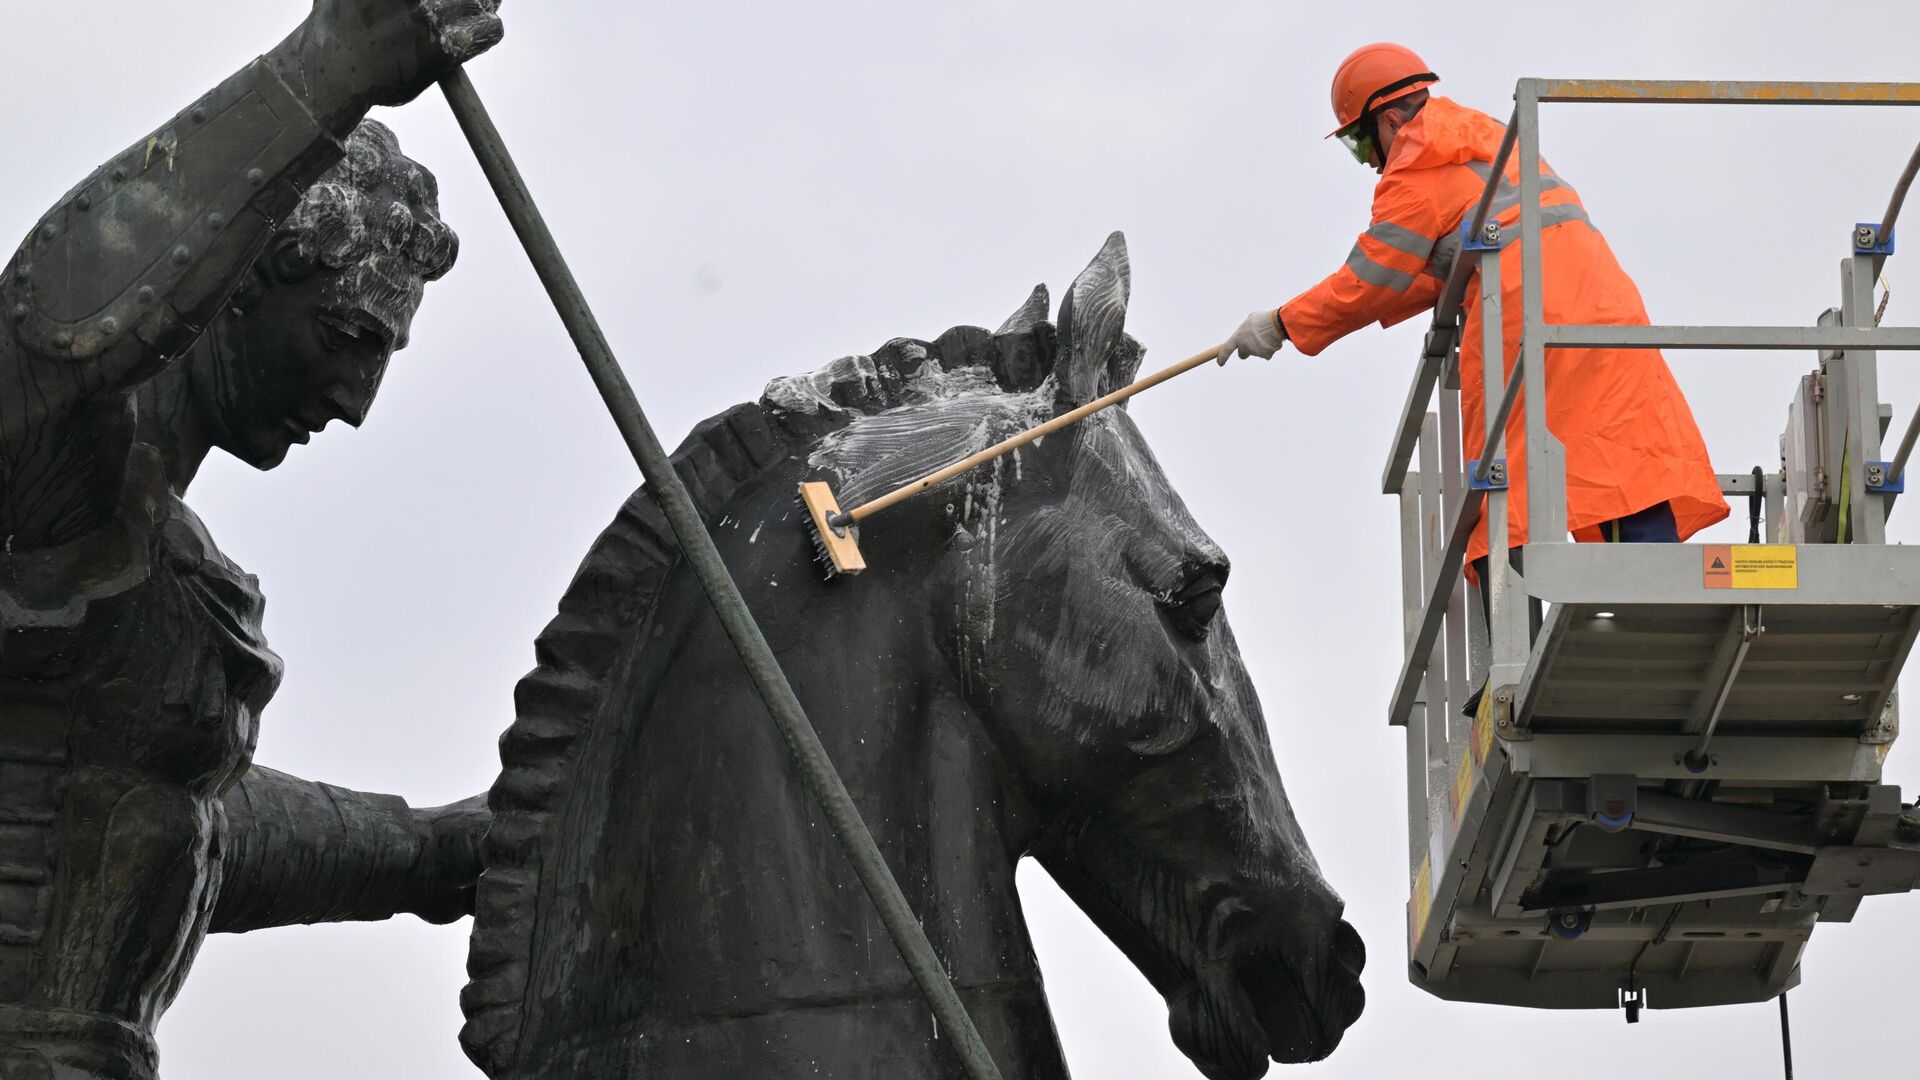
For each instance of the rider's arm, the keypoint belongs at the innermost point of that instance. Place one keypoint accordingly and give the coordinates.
(299, 851)
(120, 277)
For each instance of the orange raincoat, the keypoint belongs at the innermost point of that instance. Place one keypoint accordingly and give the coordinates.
(1630, 439)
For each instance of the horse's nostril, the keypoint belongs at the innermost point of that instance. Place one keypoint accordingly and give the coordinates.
(1348, 950)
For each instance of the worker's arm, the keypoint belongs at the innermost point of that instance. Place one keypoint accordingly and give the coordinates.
(1417, 300)
(1383, 279)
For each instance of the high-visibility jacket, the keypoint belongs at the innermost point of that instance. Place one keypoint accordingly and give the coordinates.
(1631, 442)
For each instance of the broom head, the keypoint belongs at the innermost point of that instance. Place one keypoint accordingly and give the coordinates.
(838, 549)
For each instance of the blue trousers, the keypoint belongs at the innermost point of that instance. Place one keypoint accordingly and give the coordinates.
(1654, 525)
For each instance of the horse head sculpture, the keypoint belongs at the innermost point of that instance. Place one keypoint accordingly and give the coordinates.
(1036, 663)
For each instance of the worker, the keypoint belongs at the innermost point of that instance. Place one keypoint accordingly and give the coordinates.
(1637, 470)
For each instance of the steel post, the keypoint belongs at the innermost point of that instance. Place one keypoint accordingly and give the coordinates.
(1546, 476)
(1719, 92)
(1507, 604)
(1412, 548)
(1776, 508)
(1465, 637)
(1867, 336)
(1868, 512)
(1434, 514)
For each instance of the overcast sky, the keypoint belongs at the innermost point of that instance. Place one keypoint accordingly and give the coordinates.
(751, 189)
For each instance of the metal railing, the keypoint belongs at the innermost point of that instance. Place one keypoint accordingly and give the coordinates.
(1445, 644)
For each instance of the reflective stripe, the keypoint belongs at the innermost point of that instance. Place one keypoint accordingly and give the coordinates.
(1374, 274)
(1564, 212)
(1402, 239)
(1507, 195)
(1448, 249)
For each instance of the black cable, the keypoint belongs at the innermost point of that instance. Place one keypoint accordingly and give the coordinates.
(1753, 504)
(1786, 1037)
(1562, 838)
(1657, 939)
(1899, 196)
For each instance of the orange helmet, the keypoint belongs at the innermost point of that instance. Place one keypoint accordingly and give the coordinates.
(1374, 75)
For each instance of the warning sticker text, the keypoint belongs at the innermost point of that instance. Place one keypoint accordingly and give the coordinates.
(1750, 566)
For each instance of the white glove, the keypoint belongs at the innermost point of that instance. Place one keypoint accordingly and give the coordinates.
(1260, 335)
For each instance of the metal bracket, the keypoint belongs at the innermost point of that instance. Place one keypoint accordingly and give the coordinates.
(1887, 728)
(1882, 478)
(1496, 475)
(1868, 241)
(1487, 239)
(1612, 800)
(1502, 716)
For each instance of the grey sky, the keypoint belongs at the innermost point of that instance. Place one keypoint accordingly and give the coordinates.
(750, 189)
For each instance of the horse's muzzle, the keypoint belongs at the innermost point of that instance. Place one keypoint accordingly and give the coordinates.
(1305, 1007)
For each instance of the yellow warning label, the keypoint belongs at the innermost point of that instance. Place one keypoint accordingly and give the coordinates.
(1483, 730)
(1421, 903)
(1462, 791)
(1750, 566)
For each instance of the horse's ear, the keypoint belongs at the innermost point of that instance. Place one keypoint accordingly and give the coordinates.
(1030, 314)
(1093, 315)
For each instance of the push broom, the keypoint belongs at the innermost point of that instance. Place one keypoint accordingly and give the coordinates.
(834, 537)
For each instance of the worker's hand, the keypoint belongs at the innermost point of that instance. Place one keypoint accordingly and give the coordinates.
(1260, 335)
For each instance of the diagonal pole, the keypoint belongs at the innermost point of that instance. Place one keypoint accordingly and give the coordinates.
(802, 741)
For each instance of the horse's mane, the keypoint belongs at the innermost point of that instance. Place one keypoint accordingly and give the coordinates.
(629, 564)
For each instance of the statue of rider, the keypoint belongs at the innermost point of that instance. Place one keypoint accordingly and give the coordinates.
(236, 279)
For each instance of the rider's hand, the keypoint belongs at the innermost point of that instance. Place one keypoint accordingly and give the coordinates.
(1259, 335)
(451, 863)
(353, 54)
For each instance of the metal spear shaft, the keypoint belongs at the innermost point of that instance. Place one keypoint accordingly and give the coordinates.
(802, 741)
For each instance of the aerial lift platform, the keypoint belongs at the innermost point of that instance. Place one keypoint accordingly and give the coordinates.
(1675, 770)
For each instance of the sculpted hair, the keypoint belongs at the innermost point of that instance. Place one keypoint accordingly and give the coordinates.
(372, 222)
(374, 199)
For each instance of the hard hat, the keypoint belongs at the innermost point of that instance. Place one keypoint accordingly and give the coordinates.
(1374, 75)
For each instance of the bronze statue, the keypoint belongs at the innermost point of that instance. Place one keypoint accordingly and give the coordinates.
(1038, 665)
(1035, 664)
(237, 279)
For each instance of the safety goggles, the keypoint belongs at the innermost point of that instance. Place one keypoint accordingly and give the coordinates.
(1358, 138)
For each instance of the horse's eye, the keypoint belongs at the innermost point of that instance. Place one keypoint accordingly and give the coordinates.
(1193, 606)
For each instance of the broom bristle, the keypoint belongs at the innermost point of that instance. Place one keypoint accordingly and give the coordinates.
(837, 550)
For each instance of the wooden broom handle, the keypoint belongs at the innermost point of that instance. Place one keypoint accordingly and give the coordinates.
(915, 487)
